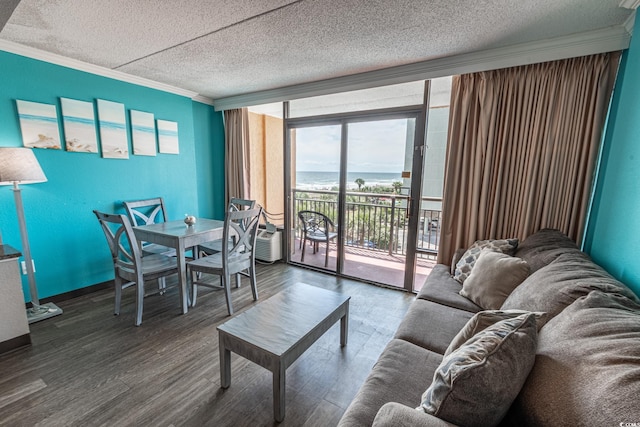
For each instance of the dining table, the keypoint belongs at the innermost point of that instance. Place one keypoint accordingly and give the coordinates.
(182, 237)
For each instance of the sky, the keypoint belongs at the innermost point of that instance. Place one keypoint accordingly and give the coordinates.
(377, 146)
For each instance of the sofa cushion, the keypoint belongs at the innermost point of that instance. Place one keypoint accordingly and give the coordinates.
(396, 415)
(442, 288)
(554, 287)
(493, 277)
(468, 259)
(399, 375)
(482, 320)
(587, 369)
(476, 383)
(431, 325)
(544, 246)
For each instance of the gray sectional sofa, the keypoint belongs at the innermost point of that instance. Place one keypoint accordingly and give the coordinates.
(586, 369)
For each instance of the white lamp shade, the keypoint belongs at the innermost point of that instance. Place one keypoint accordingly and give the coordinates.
(19, 165)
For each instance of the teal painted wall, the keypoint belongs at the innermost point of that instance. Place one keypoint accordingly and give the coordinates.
(67, 243)
(209, 136)
(613, 232)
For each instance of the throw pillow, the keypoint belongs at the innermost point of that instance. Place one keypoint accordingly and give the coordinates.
(483, 319)
(476, 384)
(493, 278)
(466, 262)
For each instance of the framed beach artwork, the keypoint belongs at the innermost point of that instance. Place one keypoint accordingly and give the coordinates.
(79, 123)
(113, 130)
(38, 124)
(168, 137)
(143, 133)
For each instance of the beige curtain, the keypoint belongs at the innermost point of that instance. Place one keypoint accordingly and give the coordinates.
(522, 149)
(236, 138)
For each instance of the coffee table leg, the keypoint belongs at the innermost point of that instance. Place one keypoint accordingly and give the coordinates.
(344, 327)
(225, 364)
(278, 392)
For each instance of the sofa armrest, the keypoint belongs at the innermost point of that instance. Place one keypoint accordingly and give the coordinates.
(456, 257)
(394, 414)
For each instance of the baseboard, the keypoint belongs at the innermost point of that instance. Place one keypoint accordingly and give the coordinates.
(77, 293)
(14, 343)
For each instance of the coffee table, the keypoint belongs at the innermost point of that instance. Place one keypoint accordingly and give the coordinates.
(275, 332)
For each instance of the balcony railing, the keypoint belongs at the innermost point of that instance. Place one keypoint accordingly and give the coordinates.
(375, 221)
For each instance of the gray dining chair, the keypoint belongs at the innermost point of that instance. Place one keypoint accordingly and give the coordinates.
(215, 246)
(145, 212)
(316, 228)
(236, 258)
(129, 266)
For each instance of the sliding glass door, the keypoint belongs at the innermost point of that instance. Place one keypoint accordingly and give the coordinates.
(377, 190)
(314, 182)
(358, 170)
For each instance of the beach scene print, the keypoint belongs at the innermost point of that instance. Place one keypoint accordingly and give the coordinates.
(39, 125)
(79, 125)
(168, 137)
(113, 130)
(143, 133)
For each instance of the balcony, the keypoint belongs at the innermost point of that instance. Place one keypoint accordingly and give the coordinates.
(375, 236)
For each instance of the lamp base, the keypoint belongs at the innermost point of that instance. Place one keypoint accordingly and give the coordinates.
(43, 311)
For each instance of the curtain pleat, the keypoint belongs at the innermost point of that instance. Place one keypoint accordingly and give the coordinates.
(237, 167)
(522, 149)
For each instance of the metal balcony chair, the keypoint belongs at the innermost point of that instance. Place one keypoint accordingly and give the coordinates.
(129, 266)
(237, 258)
(316, 228)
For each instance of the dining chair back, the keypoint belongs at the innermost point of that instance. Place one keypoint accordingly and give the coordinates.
(238, 204)
(238, 257)
(235, 205)
(316, 228)
(129, 266)
(145, 212)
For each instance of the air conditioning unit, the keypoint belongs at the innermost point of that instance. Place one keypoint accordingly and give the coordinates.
(269, 246)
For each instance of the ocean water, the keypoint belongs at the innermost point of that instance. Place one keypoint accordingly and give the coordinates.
(306, 180)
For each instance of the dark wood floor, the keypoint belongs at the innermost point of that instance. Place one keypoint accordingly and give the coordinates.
(91, 368)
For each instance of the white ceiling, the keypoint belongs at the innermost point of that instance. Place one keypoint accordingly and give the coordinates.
(223, 48)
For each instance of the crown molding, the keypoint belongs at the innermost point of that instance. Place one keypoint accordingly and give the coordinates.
(203, 99)
(629, 22)
(75, 64)
(580, 44)
(630, 4)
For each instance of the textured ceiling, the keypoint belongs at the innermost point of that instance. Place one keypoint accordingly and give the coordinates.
(220, 48)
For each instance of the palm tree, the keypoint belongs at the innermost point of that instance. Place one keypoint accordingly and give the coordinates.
(397, 185)
(360, 183)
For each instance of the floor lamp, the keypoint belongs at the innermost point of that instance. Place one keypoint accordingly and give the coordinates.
(20, 166)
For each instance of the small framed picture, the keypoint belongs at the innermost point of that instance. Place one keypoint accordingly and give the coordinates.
(79, 125)
(168, 137)
(113, 130)
(39, 125)
(143, 133)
